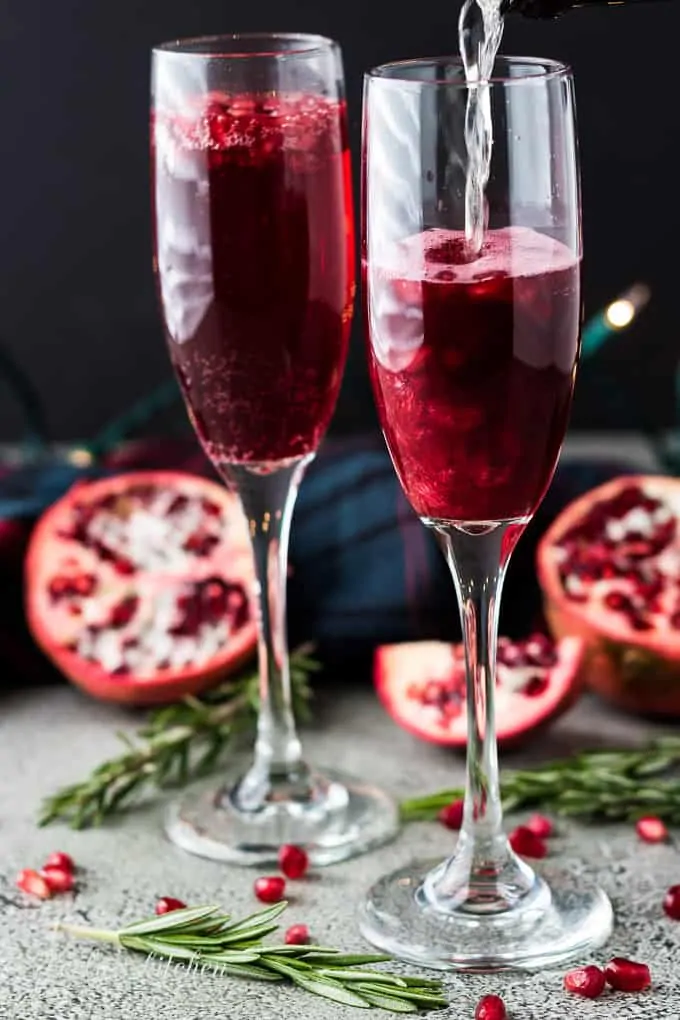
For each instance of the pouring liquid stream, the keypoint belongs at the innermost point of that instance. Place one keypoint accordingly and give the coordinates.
(480, 30)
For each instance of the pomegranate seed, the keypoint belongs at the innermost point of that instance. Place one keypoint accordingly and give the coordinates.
(270, 889)
(122, 613)
(651, 830)
(58, 879)
(587, 981)
(490, 1007)
(123, 566)
(167, 904)
(526, 843)
(535, 686)
(58, 587)
(671, 903)
(617, 601)
(297, 935)
(293, 861)
(452, 815)
(200, 543)
(540, 826)
(84, 584)
(29, 881)
(60, 860)
(627, 975)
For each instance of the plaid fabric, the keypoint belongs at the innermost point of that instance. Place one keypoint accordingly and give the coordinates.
(364, 571)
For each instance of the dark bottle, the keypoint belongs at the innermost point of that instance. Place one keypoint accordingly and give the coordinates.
(553, 8)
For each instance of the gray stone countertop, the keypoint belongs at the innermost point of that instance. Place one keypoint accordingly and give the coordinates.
(54, 736)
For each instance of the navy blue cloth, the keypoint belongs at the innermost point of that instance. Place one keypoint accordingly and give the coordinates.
(364, 570)
(367, 572)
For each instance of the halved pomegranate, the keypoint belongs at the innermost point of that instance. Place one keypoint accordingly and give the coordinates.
(138, 585)
(422, 686)
(609, 568)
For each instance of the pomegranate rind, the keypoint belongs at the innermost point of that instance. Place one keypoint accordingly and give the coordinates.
(639, 671)
(398, 667)
(46, 548)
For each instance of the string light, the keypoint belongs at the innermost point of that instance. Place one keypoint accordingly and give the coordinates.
(617, 316)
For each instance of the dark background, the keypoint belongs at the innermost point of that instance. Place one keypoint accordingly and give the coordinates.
(78, 307)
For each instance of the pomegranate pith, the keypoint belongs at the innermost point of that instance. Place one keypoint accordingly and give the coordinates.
(671, 903)
(422, 686)
(168, 904)
(490, 1007)
(297, 935)
(627, 975)
(526, 843)
(586, 981)
(125, 599)
(270, 888)
(651, 830)
(293, 861)
(608, 567)
(451, 816)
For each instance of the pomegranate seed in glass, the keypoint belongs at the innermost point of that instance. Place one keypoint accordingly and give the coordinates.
(254, 260)
(472, 306)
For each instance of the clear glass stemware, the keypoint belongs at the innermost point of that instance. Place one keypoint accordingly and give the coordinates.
(473, 358)
(254, 260)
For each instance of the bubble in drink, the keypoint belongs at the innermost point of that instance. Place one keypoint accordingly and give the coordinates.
(473, 368)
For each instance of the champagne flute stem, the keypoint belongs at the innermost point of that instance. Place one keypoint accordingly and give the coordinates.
(484, 871)
(268, 500)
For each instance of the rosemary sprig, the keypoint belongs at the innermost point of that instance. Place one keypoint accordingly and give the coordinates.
(203, 938)
(593, 786)
(179, 742)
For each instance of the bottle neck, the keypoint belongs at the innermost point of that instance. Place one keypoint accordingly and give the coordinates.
(553, 8)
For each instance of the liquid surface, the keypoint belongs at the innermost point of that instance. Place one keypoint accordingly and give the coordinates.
(473, 365)
(254, 257)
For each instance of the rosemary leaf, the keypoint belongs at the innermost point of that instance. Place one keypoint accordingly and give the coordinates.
(593, 786)
(203, 939)
(382, 1001)
(177, 744)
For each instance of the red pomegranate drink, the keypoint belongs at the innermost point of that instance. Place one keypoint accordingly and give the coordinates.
(254, 258)
(473, 368)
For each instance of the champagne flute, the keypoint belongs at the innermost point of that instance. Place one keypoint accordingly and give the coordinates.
(255, 269)
(473, 358)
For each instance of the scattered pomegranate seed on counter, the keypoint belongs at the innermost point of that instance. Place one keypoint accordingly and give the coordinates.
(293, 861)
(540, 826)
(671, 903)
(490, 1007)
(297, 935)
(587, 981)
(167, 904)
(270, 889)
(30, 882)
(526, 843)
(627, 975)
(651, 830)
(60, 860)
(59, 880)
(452, 815)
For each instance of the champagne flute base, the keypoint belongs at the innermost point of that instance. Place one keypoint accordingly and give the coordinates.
(562, 917)
(332, 815)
